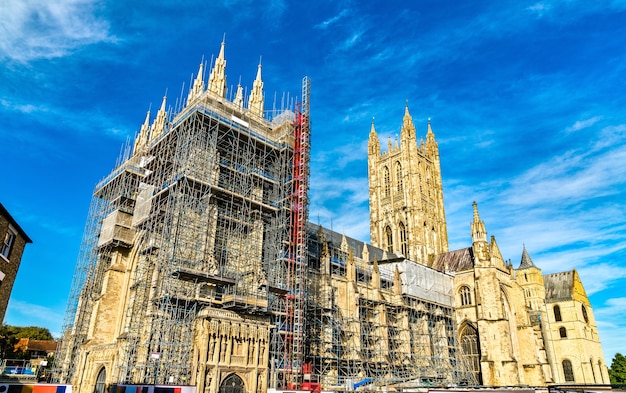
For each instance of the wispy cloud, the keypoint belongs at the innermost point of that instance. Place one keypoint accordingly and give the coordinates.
(41, 29)
(582, 124)
(19, 311)
(331, 21)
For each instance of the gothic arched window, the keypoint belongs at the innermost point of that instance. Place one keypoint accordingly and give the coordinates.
(585, 316)
(466, 295)
(470, 348)
(403, 244)
(389, 239)
(593, 372)
(399, 185)
(387, 181)
(100, 381)
(557, 313)
(568, 372)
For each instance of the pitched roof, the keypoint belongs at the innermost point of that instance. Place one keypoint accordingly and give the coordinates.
(559, 286)
(526, 262)
(4, 212)
(454, 261)
(334, 239)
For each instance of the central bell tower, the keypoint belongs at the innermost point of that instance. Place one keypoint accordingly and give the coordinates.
(406, 194)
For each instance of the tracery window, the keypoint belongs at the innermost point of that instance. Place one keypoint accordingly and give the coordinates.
(387, 181)
(557, 313)
(403, 243)
(568, 372)
(471, 350)
(389, 234)
(399, 185)
(466, 295)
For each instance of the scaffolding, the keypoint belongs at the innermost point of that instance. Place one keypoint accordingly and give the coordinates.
(366, 325)
(199, 217)
(206, 218)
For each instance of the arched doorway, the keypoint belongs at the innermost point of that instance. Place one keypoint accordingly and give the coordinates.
(100, 381)
(470, 347)
(232, 384)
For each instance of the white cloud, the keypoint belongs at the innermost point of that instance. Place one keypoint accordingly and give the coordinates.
(581, 124)
(22, 313)
(330, 21)
(42, 29)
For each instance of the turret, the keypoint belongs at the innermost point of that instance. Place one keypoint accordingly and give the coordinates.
(239, 96)
(255, 104)
(373, 144)
(479, 233)
(375, 275)
(198, 86)
(217, 79)
(407, 134)
(158, 127)
(432, 149)
(144, 135)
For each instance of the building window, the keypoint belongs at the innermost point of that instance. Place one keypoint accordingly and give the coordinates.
(399, 177)
(387, 181)
(7, 244)
(466, 296)
(471, 350)
(568, 372)
(403, 244)
(600, 370)
(585, 316)
(557, 314)
(563, 332)
(593, 372)
(100, 381)
(389, 239)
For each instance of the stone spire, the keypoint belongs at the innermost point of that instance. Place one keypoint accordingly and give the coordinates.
(144, 135)
(373, 144)
(158, 127)
(431, 145)
(526, 262)
(217, 79)
(375, 278)
(239, 96)
(344, 243)
(198, 86)
(255, 104)
(365, 254)
(479, 234)
(407, 134)
(397, 282)
(351, 267)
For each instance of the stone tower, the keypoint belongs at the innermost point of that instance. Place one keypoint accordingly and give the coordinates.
(406, 195)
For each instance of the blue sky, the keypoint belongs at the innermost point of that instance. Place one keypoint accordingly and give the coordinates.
(526, 99)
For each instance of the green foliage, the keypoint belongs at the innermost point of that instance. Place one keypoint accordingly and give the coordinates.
(32, 332)
(10, 335)
(617, 372)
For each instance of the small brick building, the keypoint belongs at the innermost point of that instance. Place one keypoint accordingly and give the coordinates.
(13, 240)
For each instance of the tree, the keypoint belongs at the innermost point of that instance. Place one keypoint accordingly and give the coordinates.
(617, 372)
(10, 335)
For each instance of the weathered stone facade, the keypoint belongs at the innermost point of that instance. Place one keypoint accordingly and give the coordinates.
(187, 273)
(505, 319)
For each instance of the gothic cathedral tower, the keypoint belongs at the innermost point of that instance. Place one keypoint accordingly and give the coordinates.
(406, 195)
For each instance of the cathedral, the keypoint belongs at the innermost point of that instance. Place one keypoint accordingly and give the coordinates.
(199, 270)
